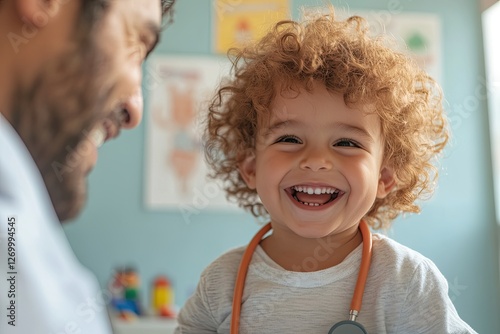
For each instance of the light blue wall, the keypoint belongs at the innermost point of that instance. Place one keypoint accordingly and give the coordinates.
(456, 228)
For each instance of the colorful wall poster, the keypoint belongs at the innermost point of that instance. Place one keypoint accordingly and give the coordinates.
(178, 90)
(417, 34)
(237, 22)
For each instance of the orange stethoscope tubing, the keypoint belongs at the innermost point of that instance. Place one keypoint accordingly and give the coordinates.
(357, 297)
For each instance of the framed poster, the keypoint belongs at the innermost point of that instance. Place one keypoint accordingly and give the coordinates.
(417, 34)
(237, 22)
(179, 89)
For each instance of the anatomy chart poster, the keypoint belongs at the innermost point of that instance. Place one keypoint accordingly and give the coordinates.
(178, 89)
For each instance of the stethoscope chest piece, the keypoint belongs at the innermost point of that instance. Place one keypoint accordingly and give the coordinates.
(347, 327)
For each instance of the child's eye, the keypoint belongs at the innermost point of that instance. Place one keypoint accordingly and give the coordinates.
(346, 143)
(288, 139)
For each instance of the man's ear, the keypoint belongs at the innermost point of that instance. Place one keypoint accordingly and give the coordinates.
(37, 12)
(386, 181)
(247, 170)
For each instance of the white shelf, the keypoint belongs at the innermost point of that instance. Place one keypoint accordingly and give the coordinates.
(145, 325)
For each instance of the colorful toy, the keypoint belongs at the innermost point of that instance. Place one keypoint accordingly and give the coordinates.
(124, 288)
(162, 298)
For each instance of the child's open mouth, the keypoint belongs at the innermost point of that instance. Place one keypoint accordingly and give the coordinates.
(313, 196)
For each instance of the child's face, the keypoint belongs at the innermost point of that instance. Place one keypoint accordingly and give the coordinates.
(315, 143)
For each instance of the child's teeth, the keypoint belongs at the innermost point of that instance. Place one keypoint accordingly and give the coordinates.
(315, 191)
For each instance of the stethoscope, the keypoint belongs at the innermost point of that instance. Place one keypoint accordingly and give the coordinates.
(349, 326)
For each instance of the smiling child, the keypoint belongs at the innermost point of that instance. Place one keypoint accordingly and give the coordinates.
(320, 128)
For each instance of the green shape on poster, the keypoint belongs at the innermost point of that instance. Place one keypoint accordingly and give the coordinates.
(416, 42)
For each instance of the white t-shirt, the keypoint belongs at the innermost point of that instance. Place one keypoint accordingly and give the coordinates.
(43, 287)
(405, 293)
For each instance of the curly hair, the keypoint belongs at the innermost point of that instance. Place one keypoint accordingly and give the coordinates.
(365, 70)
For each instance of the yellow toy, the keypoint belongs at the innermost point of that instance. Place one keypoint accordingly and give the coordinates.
(163, 298)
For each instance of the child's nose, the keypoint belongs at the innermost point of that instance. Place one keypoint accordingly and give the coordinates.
(316, 160)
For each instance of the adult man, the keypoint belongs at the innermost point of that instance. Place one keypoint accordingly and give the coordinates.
(70, 76)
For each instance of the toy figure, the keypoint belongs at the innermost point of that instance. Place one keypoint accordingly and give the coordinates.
(162, 298)
(124, 289)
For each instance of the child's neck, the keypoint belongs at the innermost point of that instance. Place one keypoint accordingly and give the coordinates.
(295, 253)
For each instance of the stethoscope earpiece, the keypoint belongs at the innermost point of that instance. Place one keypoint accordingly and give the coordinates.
(347, 327)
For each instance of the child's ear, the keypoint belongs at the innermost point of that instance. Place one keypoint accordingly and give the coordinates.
(247, 170)
(386, 181)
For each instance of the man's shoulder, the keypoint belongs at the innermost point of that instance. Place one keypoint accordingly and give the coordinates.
(21, 186)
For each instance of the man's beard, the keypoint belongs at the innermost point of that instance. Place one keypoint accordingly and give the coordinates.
(55, 114)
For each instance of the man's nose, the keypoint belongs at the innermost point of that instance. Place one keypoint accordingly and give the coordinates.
(317, 160)
(133, 109)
